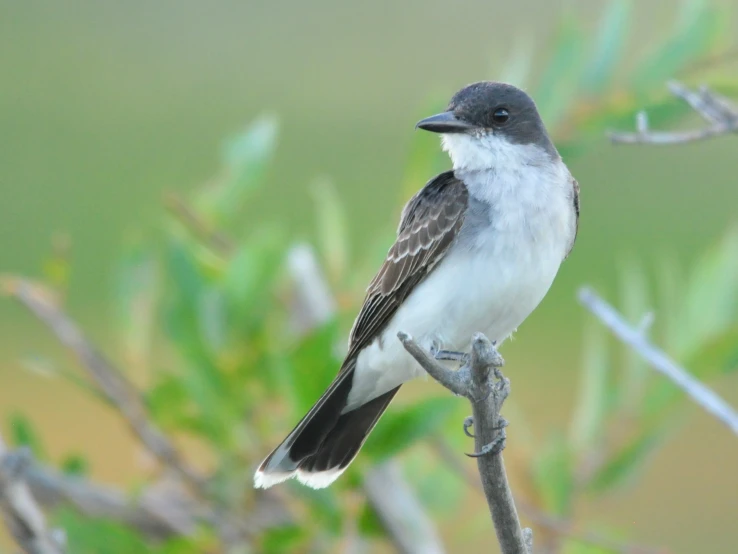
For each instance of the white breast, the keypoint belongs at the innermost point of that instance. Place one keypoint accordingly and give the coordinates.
(517, 231)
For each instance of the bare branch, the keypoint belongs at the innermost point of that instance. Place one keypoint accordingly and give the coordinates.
(486, 397)
(699, 393)
(119, 391)
(19, 509)
(400, 511)
(721, 115)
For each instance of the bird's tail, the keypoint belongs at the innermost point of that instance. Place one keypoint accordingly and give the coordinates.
(325, 441)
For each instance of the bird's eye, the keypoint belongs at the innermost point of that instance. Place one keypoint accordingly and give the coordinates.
(500, 116)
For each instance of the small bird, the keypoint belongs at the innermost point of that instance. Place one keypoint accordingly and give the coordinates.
(477, 250)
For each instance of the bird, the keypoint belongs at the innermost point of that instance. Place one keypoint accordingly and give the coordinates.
(477, 249)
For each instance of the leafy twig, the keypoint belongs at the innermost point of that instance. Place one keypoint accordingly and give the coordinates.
(659, 361)
(473, 381)
(182, 210)
(106, 376)
(19, 509)
(721, 115)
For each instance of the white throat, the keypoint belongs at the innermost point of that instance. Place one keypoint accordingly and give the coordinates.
(492, 166)
(489, 151)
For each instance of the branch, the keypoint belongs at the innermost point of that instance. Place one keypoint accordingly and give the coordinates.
(538, 517)
(119, 391)
(659, 361)
(473, 381)
(721, 115)
(22, 516)
(400, 511)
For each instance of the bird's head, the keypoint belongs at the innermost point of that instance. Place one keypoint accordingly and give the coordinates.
(487, 121)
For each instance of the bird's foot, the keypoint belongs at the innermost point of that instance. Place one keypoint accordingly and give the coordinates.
(469, 422)
(451, 356)
(495, 447)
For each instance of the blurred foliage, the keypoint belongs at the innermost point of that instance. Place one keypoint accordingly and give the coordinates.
(243, 375)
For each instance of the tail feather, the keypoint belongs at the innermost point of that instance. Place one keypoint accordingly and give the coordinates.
(325, 441)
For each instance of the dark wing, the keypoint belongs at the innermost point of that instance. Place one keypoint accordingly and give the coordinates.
(575, 199)
(430, 222)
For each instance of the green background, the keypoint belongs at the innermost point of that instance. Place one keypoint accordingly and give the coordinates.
(104, 106)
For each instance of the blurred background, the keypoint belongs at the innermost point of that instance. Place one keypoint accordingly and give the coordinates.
(106, 107)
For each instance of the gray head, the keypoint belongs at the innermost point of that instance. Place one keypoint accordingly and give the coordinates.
(491, 108)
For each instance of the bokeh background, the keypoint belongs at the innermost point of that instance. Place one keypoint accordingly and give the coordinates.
(105, 106)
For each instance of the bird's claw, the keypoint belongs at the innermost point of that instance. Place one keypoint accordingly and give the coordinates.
(468, 422)
(493, 448)
(451, 356)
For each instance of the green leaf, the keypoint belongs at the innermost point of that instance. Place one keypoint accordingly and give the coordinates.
(709, 302)
(553, 476)
(183, 270)
(250, 278)
(313, 366)
(246, 158)
(212, 318)
(75, 464)
(135, 295)
(609, 46)
(167, 402)
(368, 522)
(283, 539)
(587, 426)
(625, 463)
(23, 433)
(401, 427)
(326, 512)
(99, 536)
(438, 488)
(717, 356)
(697, 29)
(332, 229)
(556, 87)
(634, 302)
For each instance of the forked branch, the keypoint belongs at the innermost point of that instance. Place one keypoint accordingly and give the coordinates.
(719, 113)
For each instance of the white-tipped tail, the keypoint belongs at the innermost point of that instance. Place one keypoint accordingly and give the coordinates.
(317, 480)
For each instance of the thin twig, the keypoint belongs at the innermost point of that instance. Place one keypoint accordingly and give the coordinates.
(407, 524)
(718, 111)
(119, 391)
(19, 509)
(179, 207)
(699, 393)
(398, 509)
(539, 517)
(473, 381)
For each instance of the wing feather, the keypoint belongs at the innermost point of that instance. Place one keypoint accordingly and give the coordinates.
(430, 222)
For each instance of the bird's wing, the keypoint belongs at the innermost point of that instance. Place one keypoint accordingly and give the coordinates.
(430, 222)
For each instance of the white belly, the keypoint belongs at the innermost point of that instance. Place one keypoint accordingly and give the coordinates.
(491, 290)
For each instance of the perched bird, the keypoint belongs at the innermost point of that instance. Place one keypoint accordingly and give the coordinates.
(477, 250)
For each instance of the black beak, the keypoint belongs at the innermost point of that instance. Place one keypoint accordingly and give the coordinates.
(445, 122)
